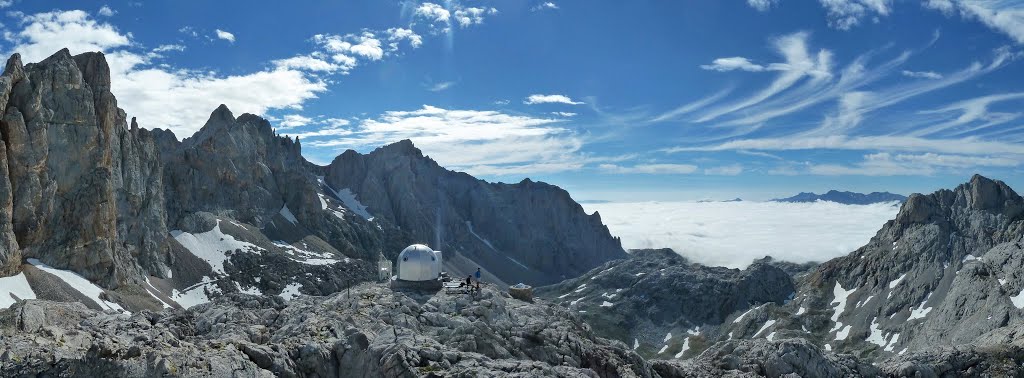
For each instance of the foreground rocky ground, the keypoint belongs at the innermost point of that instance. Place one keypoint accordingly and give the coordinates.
(368, 331)
(373, 331)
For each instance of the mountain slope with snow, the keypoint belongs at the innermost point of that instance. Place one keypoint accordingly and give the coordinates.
(140, 220)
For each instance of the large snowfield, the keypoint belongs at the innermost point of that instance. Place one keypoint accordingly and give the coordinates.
(733, 234)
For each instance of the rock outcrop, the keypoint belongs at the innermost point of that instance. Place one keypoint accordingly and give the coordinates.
(528, 232)
(662, 304)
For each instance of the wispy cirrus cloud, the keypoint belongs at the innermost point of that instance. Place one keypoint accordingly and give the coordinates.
(792, 92)
(799, 63)
(965, 146)
(650, 169)
(725, 170)
(887, 164)
(973, 115)
(437, 87)
(1004, 16)
(921, 74)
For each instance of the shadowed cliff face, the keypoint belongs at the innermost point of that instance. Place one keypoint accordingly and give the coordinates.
(80, 189)
(527, 232)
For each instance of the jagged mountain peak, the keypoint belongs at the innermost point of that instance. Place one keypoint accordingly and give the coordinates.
(403, 147)
(14, 68)
(62, 55)
(223, 128)
(988, 194)
(221, 115)
(981, 194)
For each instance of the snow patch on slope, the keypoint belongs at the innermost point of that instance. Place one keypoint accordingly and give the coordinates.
(307, 257)
(920, 311)
(349, 200)
(1018, 300)
(152, 292)
(739, 318)
(840, 300)
(287, 214)
(290, 291)
(195, 294)
(843, 333)
(14, 286)
(764, 327)
(79, 283)
(686, 346)
(212, 246)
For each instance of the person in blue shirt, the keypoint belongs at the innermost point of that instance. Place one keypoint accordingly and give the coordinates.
(477, 279)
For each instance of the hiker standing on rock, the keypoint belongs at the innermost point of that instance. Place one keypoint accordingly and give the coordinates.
(477, 279)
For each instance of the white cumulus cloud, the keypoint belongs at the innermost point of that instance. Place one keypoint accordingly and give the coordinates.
(105, 11)
(543, 6)
(762, 5)
(45, 33)
(225, 35)
(845, 14)
(433, 12)
(733, 63)
(163, 97)
(550, 99)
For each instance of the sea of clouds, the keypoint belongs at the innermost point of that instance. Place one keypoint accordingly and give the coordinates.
(733, 234)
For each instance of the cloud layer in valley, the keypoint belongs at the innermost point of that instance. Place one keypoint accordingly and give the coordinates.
(733, 234)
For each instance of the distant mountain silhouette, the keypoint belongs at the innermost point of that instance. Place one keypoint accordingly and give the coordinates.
(849, 198)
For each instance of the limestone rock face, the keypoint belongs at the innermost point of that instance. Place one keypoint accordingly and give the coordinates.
(530, 231)
(80, 190)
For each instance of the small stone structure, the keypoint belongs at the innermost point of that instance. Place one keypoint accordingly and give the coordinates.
(521, 292)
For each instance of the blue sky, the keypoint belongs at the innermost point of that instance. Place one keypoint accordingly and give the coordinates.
(613, 100)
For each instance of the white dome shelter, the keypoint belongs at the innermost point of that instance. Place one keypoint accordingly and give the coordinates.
(418, 262)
